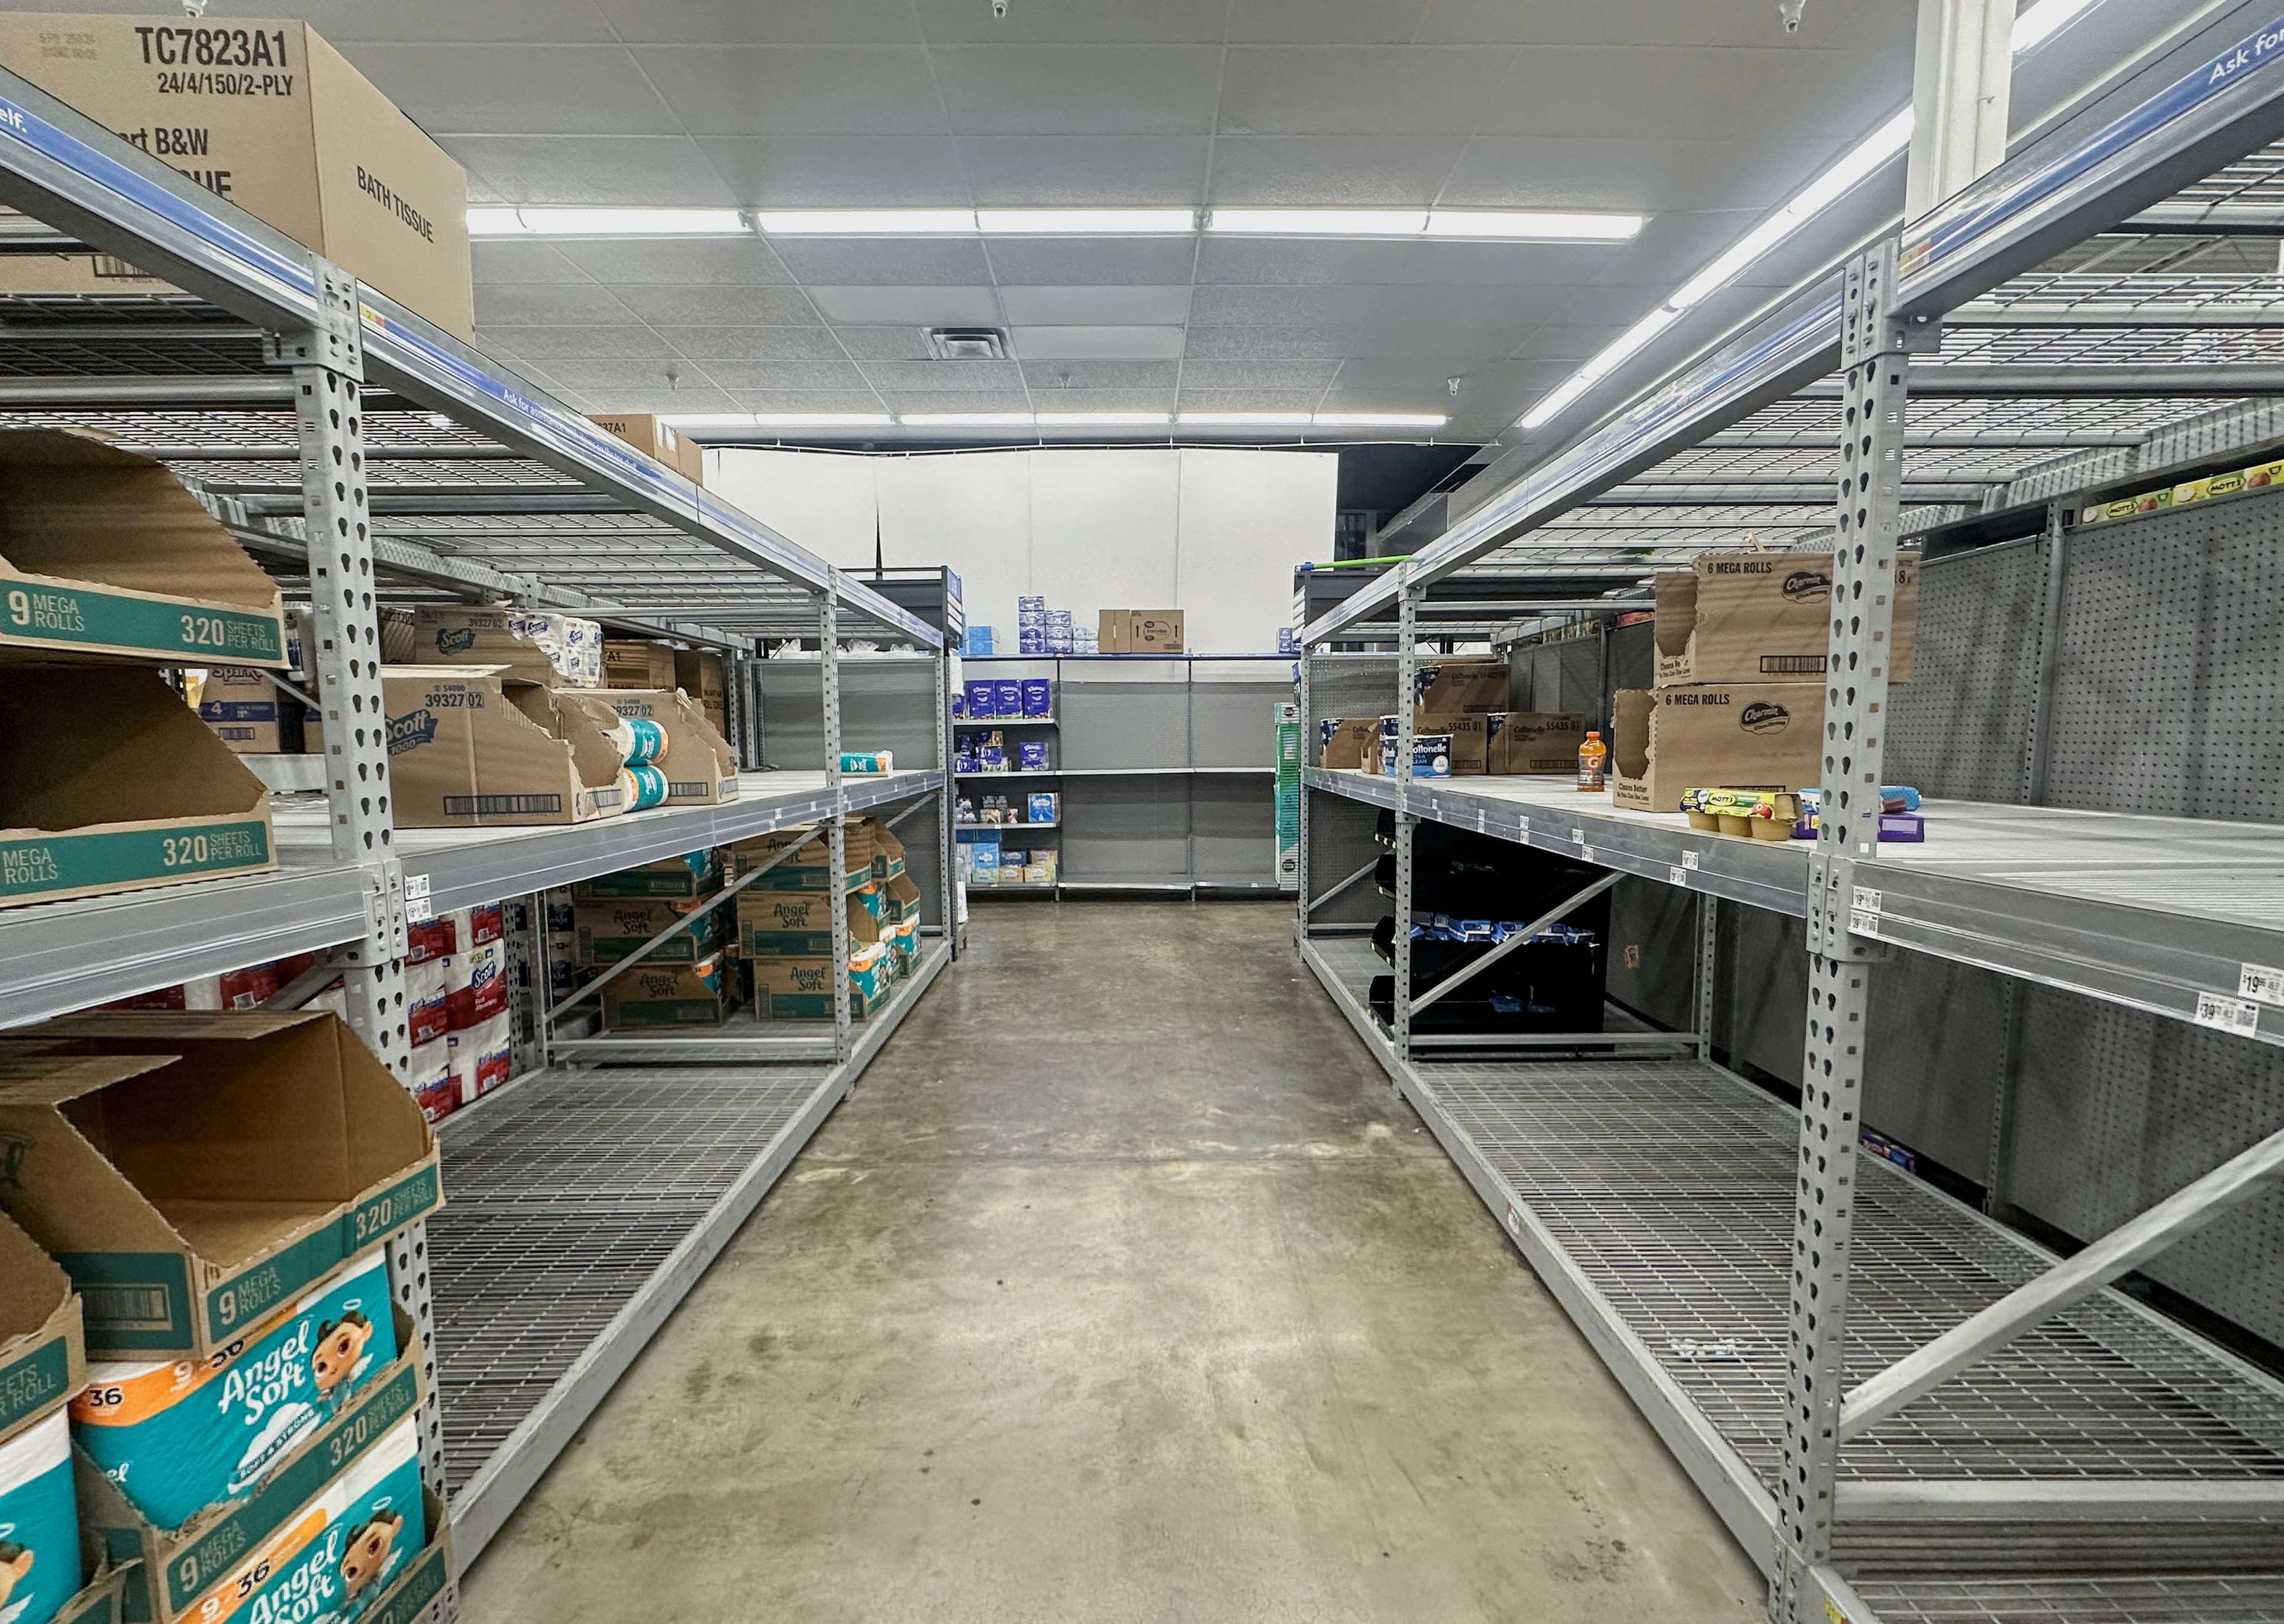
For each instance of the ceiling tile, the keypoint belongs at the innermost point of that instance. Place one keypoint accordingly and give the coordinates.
(755, 343)
(1325, 22)
(1062, 375)
(515, 261)
(970, 22)
(1633, 91)
(842, 171)
(1249, 400)
(613, 377)
(921, 305)
(1450, 344)
(796, 90)
(1356, 170)
(1004, 397)
(786, 375)
(911, 262)
(651, 397)
(1623, 22)
(870, 344)
(588, 169)
(727, 307)
(346, 22)
(1258, 374)
(1079, 306)
(932, 375)
(1085, 169)
(762, 22)
(807, 400)
(547, 305)
(1055, 90)
(737, 261)
(1303, 262)
(1069, 262)
(1353, 90)
(1160, 398)
(588, 341)
(1325, 343)
(522, 90)
(1083, 343)
(1281, 307)
(1839, 94)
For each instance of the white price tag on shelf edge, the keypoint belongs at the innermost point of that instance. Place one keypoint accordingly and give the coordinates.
(1526, 829)
(1863, 921)
(1677, 876)
(1867, 900)
(2261, 983)
(1579, 835)
(1689, 860)
(419, 909)
(2224, 1013)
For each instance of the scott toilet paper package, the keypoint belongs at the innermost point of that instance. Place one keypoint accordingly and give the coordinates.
(483, 1057)
(39, 1524)
(179, 1435)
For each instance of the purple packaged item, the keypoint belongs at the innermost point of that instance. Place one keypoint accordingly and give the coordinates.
(1038, 696)
(981, 696)
(1006, 696)
(1031, 755)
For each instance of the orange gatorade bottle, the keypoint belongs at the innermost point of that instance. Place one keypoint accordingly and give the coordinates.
(1593, 761)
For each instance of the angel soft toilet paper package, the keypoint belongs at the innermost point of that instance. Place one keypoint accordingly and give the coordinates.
(179, 1435)
(39, 1524)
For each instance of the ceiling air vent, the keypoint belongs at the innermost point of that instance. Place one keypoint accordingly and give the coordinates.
(968, 343)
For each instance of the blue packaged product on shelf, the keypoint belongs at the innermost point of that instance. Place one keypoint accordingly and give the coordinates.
(39, 1523)
(1059, 643)
(959, 706)
(1031, 755)
(1040, 808)
(983, 698)
(1034, 602)
(1032, 642)
(1007, 695)
(1012, 859)
(1030, 619)
(976, 643)
(1431, 757)
(985, 863)
(991, 758)
(964, 760)
(179, 1435)
(1038, 696)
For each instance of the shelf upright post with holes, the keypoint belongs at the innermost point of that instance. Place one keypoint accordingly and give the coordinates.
(1407, 821)
(828, 663)
(1305, 709)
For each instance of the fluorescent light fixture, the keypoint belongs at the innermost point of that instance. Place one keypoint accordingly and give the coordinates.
(1245, 419)
(2032, 29)
(1104, 419)
(1534, 225)
(605, 222)
(966, 419)
(864, 221)
(1380, 420)
(778, 419)
(1318, 221)
(1088, 222)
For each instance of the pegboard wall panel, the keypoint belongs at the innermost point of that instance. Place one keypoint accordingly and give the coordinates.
(1633, 656)
(1962, 723)
(1350, 685)
(1341, 842)
(2116, 1109)
(2172, 665)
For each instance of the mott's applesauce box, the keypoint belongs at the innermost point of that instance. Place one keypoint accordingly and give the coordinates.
(39, 1524)
(177, 1436)
(339, 1553)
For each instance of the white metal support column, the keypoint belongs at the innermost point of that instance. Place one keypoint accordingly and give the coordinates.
(1407, 821)
(1873, 352)
(1961, 82)
(947, 798)
(1306, 710)
(828, 661)
(1708, 967)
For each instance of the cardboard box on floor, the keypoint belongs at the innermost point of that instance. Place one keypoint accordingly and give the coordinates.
(657, 439)
(1350, 743)
(1763, 617)
(651, 997)
(634, 663)
(559, 650)
(191, 1172)
(700, 769)
(108, 782)
(1745, 736)
(1141, 631)
(42, 1351)
(469, 748)
(103, 552)
(264, 113)
(1526, 744)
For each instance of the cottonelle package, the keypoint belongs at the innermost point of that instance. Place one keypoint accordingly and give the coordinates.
(264, 113)
(176, 1436)
(471, 748)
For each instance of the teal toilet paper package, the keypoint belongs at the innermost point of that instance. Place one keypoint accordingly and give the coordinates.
(39, 1524)
(179, 1435)
(330, 1562)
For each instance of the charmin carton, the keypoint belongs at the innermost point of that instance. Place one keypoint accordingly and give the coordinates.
(39, 1523)
(1764, 617)
(1748, 735)
(176, 1436)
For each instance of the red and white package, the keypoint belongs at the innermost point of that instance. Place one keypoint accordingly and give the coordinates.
(477, 989)
(482, 1058)
(425, 1010)
(432, 1082)
(472, 927)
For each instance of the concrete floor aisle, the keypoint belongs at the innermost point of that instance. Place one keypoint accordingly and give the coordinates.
(1123, 1289)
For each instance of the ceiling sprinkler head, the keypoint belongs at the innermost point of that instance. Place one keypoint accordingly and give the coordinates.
(1790, 10)
(999, 10)
(1453, 384)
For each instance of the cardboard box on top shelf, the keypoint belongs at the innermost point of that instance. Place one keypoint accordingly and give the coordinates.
(1443, 688)
(700, 769)
(630, 662)
(470, 748)
(1141, 631)
(1469, 732)
(705, 676)
(42, 1351)
(649, 997)
(192, 1172)
(265, 114)
(1350, 743)
(108, 782)
(655, 438)
(103, 552)
(1526, 744)
(1745, 736)
(1763, 617)
(561, 651)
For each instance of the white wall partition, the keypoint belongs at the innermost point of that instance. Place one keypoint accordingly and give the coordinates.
(1213, 533)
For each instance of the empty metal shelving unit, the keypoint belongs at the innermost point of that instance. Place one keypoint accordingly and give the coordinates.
(366, 457)
(1903, 1407)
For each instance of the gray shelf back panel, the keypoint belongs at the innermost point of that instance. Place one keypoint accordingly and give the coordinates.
(1124, 720)
(1127, 831)
(1962, 721)
(1232, 831)
(885, 704)
(1234, 722)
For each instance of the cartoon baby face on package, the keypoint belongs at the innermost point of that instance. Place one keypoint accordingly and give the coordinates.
(340, 1345)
